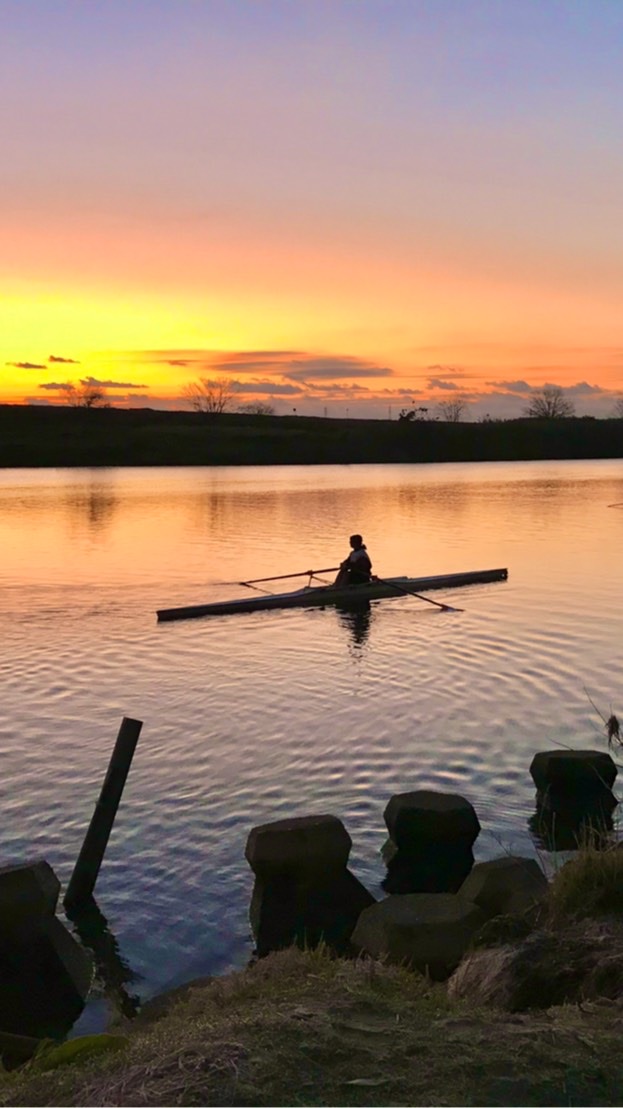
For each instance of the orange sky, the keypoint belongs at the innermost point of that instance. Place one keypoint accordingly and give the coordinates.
(339, 207)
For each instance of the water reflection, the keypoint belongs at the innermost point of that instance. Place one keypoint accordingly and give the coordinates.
(112, 970)
(356, 618)
(571, 828)
(93, 503)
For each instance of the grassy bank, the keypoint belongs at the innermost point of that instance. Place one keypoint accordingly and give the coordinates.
(40, 436)
(299, 1029)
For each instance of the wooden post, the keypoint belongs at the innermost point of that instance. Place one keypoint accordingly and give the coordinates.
(95, 842)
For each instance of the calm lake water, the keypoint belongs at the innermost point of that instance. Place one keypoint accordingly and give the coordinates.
(256, 717)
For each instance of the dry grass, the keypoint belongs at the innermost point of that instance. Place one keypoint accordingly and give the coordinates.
(301, 1029)
(590, 885)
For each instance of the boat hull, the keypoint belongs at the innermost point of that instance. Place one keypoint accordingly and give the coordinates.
(321, 596)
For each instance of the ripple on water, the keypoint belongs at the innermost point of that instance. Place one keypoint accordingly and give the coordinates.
(262, 717)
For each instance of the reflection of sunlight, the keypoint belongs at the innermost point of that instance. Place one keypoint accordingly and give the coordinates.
(190, 528)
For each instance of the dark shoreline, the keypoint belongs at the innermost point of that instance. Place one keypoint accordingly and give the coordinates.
(33, 436)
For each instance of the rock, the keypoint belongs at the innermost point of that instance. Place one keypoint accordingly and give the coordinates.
(429, 932)
(45, 975)
(388, 851)
(44, 982)
(28, 898)
(438, 869)
(423, 817)
(505, 886)
(573, 771)
(306, 912)
(17, 1049)
(432, 836)
(301, 847)
(76, 963)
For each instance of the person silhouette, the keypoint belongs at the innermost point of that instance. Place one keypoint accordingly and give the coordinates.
(356, 569)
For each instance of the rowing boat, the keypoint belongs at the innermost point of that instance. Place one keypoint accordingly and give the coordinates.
(321, 595)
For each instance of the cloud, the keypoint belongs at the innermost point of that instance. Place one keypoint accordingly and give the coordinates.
(92, 382)
(266, 388)
(336, 389)
(510, 386)
(96, 383)
(294, 365)
(247, 365)
(242, 361)
(437, 383)
(26, 365)
(65, 361)
(249, 361)
(317, 369)
(584, 389)
(448, 371)
(297, 366)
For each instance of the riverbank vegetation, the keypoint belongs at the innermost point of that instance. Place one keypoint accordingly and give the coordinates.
(32, 435)
(300, 1027)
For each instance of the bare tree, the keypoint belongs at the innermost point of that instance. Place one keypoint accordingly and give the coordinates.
(452, 410)
(618, 408)
(209, 394)
(84, 395)
(550, 402)
(257, 407)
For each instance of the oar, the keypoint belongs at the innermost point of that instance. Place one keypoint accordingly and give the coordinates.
(284, 576)
(410, 592)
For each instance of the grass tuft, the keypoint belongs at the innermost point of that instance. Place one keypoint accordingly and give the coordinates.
(589, 885)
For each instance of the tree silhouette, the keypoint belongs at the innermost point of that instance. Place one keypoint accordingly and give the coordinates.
(84, 395)
(452, 410)
(212, 395)
(549, 402)
(618, 408)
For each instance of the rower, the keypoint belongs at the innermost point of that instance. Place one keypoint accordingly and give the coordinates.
(356, 569)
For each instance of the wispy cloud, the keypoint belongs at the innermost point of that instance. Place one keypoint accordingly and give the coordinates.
(293, 365)
(344, 368)
(336, 389)
(92, 382)
(96, 382)
(26, 365)
(266, 388)
(65, 361)
(447, 371)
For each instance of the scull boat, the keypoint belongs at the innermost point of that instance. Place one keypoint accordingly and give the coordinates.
(321, 595)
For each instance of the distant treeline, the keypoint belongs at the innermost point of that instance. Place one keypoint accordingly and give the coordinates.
(59, 436)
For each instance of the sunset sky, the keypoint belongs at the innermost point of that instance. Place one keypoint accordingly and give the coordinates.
(350, 205)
